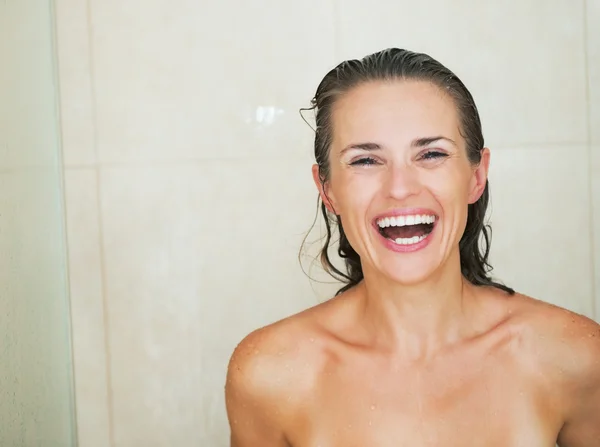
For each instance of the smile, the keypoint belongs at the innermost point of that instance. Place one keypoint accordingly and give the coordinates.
(406, 230)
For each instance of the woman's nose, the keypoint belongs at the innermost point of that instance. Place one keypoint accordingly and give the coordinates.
(402, 182)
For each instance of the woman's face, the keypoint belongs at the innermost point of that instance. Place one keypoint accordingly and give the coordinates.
(400, 178)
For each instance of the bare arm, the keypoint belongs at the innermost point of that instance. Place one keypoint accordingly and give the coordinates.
(582, 427)
(252, 399)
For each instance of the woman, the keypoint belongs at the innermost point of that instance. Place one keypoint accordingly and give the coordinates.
(421, 347)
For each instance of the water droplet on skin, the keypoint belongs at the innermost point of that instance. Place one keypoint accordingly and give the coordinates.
(372, 407)
(312, 340)
(370, 423)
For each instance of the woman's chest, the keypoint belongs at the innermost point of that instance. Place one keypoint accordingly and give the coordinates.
(441, 408)
(412, 423)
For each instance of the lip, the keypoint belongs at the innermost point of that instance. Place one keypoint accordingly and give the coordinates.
(406, 212)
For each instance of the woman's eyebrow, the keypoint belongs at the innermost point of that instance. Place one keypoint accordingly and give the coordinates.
(419, 142)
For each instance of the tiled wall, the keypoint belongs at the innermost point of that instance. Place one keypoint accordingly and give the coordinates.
(189, 188)
(593, 62)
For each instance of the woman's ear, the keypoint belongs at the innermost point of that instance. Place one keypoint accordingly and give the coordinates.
(480, 176)
(324, 190)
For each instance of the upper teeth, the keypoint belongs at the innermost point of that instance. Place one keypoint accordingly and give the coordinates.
(400, 221)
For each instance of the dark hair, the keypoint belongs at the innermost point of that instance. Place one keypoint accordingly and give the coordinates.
(398, 64)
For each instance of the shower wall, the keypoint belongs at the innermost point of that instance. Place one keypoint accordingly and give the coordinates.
(189, 189)
(36, 393)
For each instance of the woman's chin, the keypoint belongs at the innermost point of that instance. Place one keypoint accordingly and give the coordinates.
(409, 273)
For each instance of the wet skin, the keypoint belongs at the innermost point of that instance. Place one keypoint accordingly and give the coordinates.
(414, 355)
(526, 378)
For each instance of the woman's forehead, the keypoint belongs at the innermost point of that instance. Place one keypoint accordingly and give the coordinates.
(394, 111)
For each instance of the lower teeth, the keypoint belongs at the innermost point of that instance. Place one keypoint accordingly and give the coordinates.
(410, 240)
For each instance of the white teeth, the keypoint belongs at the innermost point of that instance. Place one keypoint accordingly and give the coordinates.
(401, 221)
(409, 240)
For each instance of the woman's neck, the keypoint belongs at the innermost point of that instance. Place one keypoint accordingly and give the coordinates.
(417, 320)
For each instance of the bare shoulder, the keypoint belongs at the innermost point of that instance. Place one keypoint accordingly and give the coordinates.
(272, 352)
(271, 373)
(280, 360)
(561, 339)
(557, 352)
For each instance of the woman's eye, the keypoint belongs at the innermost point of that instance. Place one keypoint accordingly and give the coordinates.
(431, 155)
(364, 161)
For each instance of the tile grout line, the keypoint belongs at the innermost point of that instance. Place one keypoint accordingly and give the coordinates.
(300, 158)
(105, 309)
(97, 172)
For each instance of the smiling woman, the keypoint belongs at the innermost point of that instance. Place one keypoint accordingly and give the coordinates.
(421, 346)
(374, 74)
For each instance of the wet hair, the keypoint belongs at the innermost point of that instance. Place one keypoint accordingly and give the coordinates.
(390, 65)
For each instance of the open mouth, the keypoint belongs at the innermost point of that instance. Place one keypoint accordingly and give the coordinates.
(406, 230)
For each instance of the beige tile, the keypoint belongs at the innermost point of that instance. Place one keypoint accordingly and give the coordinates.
(197, 256)
(593, 57)
(87, 310)
(595, 171)
(195, 80)
(74, 70)
(540, 216)
(523, 61)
